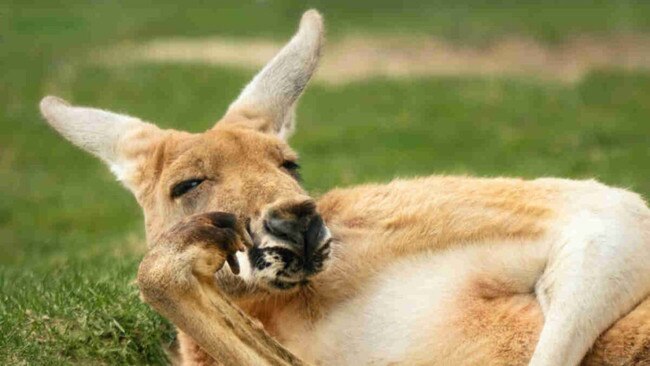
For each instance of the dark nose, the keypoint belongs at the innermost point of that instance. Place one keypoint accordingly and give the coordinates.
(298, 225)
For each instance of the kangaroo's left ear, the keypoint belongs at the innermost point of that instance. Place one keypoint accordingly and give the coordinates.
(267, 104)
(123, 142)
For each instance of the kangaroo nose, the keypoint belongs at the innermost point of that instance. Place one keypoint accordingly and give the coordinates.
(298, 225)
(287, 230)
(313, 237)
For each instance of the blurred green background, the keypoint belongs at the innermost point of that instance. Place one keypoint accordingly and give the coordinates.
(71, 237)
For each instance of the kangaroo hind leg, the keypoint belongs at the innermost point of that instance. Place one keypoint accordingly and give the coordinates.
(596, 272)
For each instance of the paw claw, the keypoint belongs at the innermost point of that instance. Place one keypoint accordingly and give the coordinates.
(233, 263)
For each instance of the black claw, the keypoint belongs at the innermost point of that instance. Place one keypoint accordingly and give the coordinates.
(233, 263)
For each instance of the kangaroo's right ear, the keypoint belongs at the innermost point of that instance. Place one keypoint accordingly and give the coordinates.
(119, 140)
(268, 102)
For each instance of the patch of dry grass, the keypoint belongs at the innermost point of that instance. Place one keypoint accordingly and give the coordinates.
(356, 58)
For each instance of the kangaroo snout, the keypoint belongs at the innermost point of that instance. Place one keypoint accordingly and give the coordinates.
(291, 244)
(299, 225)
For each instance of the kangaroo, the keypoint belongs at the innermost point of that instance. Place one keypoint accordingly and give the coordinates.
(439, 270)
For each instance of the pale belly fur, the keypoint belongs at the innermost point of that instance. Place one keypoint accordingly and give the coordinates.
(416, 310)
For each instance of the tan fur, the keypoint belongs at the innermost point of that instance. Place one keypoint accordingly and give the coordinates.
(454, 211)
(379, 223)
(487, 319)
(498, 326)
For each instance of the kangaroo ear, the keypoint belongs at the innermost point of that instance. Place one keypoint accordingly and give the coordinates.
(119, 140)
(268, 101)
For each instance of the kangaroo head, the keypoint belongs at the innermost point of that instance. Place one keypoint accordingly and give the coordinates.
(243, 165)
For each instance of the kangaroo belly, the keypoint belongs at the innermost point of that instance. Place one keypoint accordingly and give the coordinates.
(472, 306)
(433, 308)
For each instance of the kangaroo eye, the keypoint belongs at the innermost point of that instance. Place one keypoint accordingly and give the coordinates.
(292, 168)
(185, 186)
(290, 165)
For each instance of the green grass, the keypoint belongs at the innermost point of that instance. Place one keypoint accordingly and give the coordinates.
(71, 237)
(85, 313)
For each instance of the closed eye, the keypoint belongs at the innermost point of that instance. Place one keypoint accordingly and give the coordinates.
(185, 186)
(292, 168)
